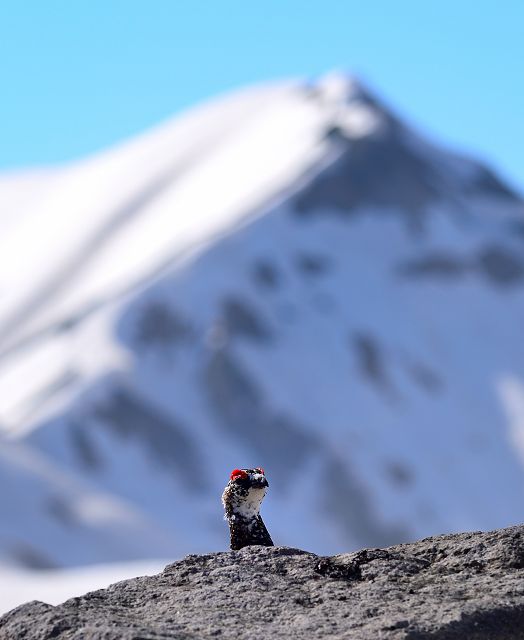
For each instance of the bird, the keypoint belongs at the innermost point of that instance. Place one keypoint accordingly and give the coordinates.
(242, 498)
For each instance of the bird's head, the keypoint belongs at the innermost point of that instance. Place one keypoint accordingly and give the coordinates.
(244, 492)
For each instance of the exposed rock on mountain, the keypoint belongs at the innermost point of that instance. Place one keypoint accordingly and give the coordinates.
(467, 586)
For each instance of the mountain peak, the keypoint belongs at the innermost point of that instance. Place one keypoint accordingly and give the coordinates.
(338, 86)
(351, 107)
(285, 275)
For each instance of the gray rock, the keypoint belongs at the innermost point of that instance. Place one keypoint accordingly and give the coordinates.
(499, 265)
(243, 320)
(466, 586)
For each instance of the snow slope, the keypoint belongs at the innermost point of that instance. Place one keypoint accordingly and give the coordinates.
(288, 276)
(56, 586)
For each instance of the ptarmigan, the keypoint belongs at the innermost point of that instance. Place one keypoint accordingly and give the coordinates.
(241, 499)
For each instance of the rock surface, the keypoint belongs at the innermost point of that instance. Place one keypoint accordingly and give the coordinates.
(462, 586)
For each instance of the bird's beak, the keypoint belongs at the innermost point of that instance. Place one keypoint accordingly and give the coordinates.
(260, 481)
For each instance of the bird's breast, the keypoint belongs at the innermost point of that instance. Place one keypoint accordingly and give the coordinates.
(250, 505)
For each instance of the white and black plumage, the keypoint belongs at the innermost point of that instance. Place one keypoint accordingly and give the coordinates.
(241, 499)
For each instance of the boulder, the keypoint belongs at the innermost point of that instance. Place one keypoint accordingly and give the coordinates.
(467, 586)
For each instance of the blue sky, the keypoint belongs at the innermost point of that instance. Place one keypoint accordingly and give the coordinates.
(78, 76)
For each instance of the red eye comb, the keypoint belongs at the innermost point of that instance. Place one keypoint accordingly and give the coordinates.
(238, 474)
(260, 470)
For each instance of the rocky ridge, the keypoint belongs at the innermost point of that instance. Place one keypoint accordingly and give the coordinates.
(468, 586)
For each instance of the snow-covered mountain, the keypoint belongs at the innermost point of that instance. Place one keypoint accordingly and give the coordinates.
(288, 277)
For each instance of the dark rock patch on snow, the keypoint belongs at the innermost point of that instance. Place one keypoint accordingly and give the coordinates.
(266, 274)
(131, 417)
(498, 265)
(375, 171)
(370, 360)
(438, 264)
(158, 325)
(83, 446)
(243, 320)
(313, 264)
(425, 377)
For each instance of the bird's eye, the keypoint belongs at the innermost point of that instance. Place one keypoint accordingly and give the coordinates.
(260, 470)
(238, 474)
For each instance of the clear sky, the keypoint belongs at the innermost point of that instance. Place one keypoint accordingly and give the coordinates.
(79, 75)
